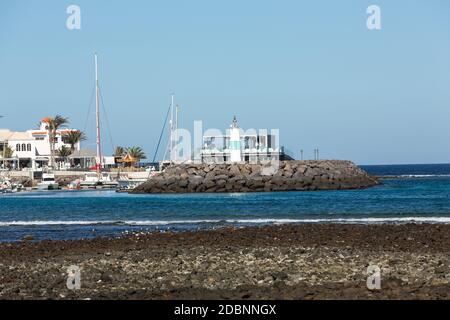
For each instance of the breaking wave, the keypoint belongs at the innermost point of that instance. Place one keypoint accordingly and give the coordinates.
(226, 221)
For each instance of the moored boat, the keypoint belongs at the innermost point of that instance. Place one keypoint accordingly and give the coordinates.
(74, 185)
(96, 180)
(126, 184)
(6, 186)
(48, 182)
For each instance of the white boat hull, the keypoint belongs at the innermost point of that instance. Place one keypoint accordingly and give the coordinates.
(99, 184)
(48, 186)
(130, 184)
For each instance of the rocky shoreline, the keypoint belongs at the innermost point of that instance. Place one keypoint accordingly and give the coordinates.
(288, 176)
(310, 261)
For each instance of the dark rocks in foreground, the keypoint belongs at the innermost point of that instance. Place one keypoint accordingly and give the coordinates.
(290, 176)
(308, 261)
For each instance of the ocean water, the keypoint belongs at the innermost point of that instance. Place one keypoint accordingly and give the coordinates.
(422, 194)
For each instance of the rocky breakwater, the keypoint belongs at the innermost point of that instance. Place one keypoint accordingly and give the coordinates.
(289, 176)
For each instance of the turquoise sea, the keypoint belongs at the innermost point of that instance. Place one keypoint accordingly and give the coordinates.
(421, 194)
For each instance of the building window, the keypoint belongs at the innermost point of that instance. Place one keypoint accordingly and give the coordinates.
(29, 147)
(39, 138)
(24, 147)
(17, 147)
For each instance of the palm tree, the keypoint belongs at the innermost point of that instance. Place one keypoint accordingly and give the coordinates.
(74, 137)
(136, 153)
(52, 126)
(64, 152)
(120, 152)
(8, 152)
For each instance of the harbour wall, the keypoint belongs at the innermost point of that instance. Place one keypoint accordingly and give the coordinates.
(289, 176)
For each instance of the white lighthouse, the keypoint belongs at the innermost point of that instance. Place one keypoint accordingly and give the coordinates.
(235, 142)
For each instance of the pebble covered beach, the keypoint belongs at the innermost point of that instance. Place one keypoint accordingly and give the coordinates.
(308, 261)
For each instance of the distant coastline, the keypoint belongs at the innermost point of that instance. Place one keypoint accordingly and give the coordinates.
(408, 170)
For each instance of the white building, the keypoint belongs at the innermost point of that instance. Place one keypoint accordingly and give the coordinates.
(32, 147)
(239, 146)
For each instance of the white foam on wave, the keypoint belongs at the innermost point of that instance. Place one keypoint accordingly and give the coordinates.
(52, 222)
(424, 175)
(349, 220)
(231, 221)
(103, 222)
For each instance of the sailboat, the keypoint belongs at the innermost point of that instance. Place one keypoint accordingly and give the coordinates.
(125, 183)
(97, 179)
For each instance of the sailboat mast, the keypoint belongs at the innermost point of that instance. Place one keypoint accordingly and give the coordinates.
(171, 130)
(97, 117)
(176, 133)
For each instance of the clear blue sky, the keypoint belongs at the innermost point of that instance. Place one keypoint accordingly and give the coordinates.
(310, 68)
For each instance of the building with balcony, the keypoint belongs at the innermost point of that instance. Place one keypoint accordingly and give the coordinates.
(242, 147)
(31, 148)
